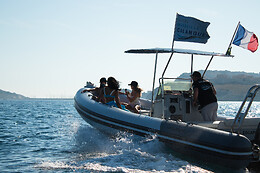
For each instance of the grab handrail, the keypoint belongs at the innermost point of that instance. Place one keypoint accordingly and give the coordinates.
(239, 119)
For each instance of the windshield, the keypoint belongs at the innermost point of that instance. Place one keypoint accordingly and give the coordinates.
(175, 85)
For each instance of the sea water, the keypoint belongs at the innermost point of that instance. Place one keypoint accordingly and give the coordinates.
(50, 136)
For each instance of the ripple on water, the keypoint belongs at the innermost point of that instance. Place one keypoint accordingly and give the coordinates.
(50, 136)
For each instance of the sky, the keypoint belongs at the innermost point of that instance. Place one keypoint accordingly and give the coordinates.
(50, 48)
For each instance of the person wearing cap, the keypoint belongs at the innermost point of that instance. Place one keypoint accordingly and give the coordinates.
(204, 94)
(133, 97)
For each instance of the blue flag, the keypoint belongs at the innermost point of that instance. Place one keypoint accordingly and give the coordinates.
(190, 29)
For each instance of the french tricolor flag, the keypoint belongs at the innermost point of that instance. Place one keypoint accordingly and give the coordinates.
(246, 39)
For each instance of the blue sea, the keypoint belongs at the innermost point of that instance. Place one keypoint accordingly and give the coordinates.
(48, 135)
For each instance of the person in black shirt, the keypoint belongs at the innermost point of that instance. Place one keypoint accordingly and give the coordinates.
(204, 94)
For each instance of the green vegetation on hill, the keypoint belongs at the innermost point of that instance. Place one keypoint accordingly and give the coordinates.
(230, 86)
(233, 86)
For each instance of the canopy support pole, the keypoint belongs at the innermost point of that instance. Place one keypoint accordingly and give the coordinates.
(207, 66)
(167, 65)
(191, 68)
(162, 85)
(154, 75)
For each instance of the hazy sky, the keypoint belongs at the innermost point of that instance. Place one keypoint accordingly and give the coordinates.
(51, 48)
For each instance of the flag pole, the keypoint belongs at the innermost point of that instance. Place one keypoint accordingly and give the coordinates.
(174, 31)
(230, 47)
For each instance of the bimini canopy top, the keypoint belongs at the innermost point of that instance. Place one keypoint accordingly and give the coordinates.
(182, 51)
(172, 51)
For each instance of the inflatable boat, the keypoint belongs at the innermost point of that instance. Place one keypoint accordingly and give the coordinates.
(171, 117)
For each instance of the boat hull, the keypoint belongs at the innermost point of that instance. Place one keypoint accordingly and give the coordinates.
(228, 149)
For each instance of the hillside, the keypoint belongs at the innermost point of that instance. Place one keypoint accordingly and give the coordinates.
(5, 95)
(230, 86)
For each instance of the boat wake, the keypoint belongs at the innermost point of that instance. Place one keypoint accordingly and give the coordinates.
(93, 151)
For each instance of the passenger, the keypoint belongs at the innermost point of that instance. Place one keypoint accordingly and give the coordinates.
(97, 91)
(134, 97)
(110, 93)
(204, 93)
